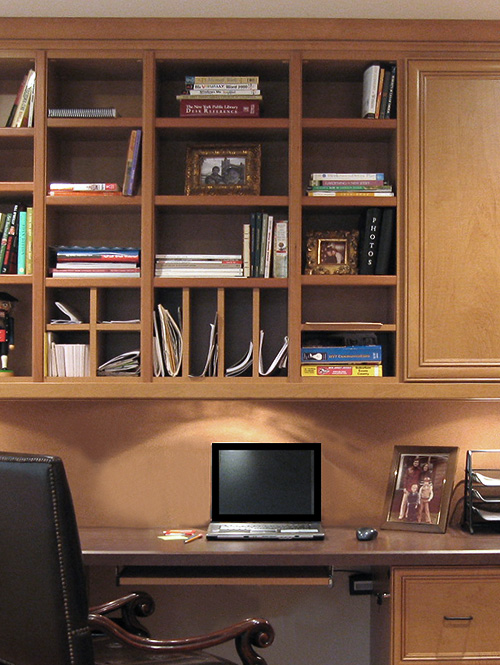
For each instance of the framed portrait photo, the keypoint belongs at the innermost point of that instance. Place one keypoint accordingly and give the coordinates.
(420, 488)
(332, 253)
(223, 169)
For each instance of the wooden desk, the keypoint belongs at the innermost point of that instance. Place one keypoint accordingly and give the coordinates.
(141, 547)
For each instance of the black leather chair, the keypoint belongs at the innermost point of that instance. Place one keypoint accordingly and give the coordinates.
(44, 615)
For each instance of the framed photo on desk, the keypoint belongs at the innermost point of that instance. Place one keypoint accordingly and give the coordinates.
(420, 488)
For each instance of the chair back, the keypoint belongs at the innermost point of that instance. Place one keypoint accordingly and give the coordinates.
(43, 602)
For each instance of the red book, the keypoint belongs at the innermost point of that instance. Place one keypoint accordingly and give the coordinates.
(236, 108)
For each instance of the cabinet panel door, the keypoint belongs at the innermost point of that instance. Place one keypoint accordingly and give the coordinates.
(453, 221)
(446, 614)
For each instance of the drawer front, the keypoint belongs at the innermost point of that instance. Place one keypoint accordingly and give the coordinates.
(450, 614)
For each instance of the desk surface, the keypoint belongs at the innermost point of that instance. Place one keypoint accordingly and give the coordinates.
(118, 546)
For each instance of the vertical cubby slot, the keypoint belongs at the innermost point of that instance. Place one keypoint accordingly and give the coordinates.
(169, 355)
(94, 82)
(238, 318)
(19, 358)
(74, 299)
(12, 73)
(274, 324)
(173, 164)
(347, 302)
(61, 363)
(333, 88)
(113, 344)
(273, 81)
(96, 226)
(87, 155)
(203, 230)
(119, 306)
(203, 315)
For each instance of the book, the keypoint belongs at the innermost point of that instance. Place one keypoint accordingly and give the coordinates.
(5, 235)
(357, 193)
(391, 94)
(192, 80)
(21, 246)
(341, 370)
(236, 108)
(246, 249)
(370, 90)
(131, 176)
(380, 89)
(342, 354)
(9, 246)
(280, 249)
(95, 273)
(385, 91)
(215, 95)
(29, 240)
(16, 101)
(20, 118)
(68, 187)
(348, 176)
(386, 242)
(96, 112)
(346, 183)
(76, 253)
(370, 241)
(223, 87)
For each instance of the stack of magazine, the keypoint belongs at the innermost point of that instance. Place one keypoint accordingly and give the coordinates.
(124, 364)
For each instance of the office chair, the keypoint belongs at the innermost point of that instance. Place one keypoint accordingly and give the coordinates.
(44, 615)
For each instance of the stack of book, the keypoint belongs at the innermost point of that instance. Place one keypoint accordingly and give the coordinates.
(379, 91)
(67, 359)
(95, 261)
(341, 360)
(16, 244)
(349, 184)
(21, 113)
(199, 265)
(265, 246)
(220, 96)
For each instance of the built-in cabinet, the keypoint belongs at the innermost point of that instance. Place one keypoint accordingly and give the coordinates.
(445, 615)
(434, 314)
(453, 224)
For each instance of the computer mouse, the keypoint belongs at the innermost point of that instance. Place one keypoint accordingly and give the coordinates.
(366, 533)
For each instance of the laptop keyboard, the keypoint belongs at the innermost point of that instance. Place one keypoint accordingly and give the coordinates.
(272, 527)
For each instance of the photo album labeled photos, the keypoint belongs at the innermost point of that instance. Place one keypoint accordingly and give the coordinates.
(266, 491)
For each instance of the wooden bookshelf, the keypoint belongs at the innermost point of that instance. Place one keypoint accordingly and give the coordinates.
(311, 80)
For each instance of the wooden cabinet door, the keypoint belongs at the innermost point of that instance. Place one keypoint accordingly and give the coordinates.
(447, 615)
(453, 221)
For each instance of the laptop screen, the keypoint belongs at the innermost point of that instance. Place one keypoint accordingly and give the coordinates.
(266, 481)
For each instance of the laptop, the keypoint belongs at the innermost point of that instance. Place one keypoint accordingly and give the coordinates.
(266, 491)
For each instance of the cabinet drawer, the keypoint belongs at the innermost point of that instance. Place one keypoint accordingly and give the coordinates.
(448, 614)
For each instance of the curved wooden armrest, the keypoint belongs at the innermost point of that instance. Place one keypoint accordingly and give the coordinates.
(247, 634)
(140, 602)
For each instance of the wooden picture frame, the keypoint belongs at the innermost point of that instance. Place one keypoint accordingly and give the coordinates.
(420, 488)
(223, 169)
(332, 253)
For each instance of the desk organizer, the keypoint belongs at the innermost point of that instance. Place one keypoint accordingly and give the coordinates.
(482, 490)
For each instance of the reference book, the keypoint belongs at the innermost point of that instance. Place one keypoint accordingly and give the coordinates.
(341, 354)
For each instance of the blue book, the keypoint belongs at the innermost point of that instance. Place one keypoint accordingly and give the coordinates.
(340, 354)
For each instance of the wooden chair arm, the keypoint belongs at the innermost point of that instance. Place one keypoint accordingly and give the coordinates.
(247, 634)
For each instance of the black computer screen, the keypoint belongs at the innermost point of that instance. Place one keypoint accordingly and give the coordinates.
(265, 481)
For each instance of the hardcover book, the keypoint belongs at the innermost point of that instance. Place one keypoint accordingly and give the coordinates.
(236, 108)
(341, 370)
(342, 354)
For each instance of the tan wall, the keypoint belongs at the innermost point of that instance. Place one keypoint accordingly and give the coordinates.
(147, 464)
(143, 463)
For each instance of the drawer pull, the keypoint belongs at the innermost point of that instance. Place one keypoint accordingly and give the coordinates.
(447, 618)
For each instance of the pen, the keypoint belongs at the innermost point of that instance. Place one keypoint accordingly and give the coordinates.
(198, 535)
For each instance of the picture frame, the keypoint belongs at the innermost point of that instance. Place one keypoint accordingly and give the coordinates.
(332, 253)
(223, 169)
(413, 502)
